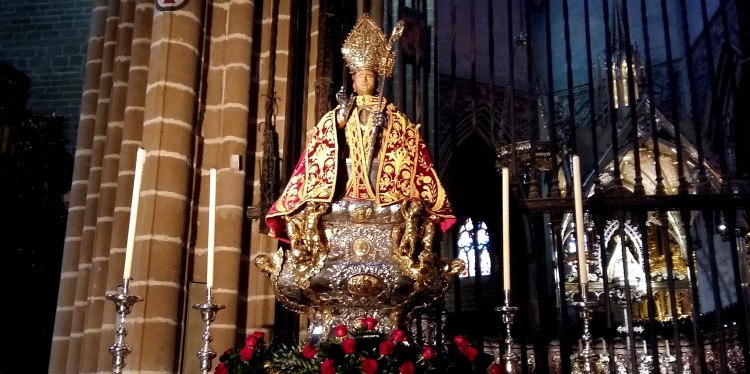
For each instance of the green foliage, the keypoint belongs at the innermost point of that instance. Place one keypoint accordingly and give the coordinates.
(286, 359)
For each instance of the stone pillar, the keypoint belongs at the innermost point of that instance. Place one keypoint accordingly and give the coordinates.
(273, 54)
(132, 129)
(108, 187)
(77, 207)
(224, 134)
(84, 200)
(93, 193)
(162, 235)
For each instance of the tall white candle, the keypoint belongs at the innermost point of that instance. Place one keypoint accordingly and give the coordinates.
(211, 229)
(604, 344)
(583, 270)
(140, 158)
(645, 348)
(506, 229)
(666, 346)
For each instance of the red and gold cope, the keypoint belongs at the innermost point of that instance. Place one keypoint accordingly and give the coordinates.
(405, 168)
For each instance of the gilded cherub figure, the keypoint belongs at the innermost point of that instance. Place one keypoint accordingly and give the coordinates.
(411, 210)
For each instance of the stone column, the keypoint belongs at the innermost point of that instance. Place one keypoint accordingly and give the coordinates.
(132, 129)
(224, 135)
(69, 272)
(162, 235)
(108, 188)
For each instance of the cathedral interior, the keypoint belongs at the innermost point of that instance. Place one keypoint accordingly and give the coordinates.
(647, 94)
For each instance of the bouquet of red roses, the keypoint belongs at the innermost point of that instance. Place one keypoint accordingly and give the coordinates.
(366, 350)
(246, 358)
(362, 350)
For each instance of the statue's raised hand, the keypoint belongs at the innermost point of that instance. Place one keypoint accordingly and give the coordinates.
(341, 96)
(345, 106)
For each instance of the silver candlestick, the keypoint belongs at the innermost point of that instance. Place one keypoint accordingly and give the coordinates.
(668, 364)
(645, 364)
(510, 359)
(208, 313)
(123, 305)
(587, 358)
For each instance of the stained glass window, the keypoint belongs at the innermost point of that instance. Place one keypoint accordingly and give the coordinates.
(467, 247)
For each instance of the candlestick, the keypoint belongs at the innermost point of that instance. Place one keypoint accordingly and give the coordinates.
(645, 348)
(124, 305)
(211, 229)
(506, 229)
(583, 271)
(139, 160)
(668, 361)
(588, 361)
(208, 314)
(645, 364)
(510, 360)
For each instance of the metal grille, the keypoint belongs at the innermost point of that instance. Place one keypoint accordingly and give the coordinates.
(649, 94)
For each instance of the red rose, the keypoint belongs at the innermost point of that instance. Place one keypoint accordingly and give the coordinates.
(246, 353)
(406, 368)
(340, 331)
(369, 323)
(328, 367)
(349, 345)
(369, 366)
(496, 369)
(251, 341)
(309, 351)
(398, 335)
(260, 336)
(386, 347)
(428, 352)
(471, 353)
(221, 368)
(460, 342)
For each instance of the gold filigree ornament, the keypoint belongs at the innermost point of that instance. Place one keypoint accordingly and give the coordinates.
(366, 48)
(271, 266)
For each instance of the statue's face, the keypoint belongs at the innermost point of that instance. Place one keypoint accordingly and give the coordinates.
(364, 82)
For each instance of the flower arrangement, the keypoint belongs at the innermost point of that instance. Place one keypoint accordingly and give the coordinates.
(362, 350)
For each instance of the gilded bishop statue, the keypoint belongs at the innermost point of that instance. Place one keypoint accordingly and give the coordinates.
(360, 210)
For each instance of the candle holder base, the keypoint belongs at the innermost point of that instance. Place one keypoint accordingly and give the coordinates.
(585, 302)
(668, 364)
(123, 305)
(208, 313)
(645, 364)
(510, 360)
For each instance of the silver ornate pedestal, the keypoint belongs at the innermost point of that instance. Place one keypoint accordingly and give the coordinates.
(510, 360)
(123, 306)
(208, 313)
(588, 360)
(351, 259)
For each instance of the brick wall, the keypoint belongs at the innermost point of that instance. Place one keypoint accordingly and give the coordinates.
(47, 41)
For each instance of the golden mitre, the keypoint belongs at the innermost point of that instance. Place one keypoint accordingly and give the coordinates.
(366, 48)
